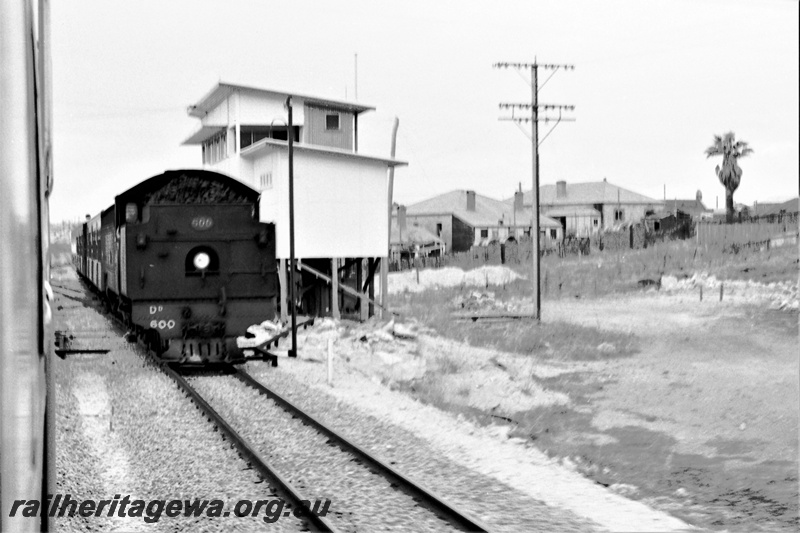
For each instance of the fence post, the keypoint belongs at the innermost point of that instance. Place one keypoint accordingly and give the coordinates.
(545, 282)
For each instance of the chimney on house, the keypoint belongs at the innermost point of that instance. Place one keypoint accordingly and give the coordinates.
(699, 196)
(518, 201)
(401, 220)
(470, 200)
(561, 189)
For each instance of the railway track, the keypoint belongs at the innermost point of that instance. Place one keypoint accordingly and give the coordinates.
(387, 497)
(405, 503)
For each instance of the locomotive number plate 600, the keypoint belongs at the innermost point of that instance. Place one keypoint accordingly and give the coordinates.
(202, 223)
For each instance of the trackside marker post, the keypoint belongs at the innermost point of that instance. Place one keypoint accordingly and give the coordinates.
(330, 362)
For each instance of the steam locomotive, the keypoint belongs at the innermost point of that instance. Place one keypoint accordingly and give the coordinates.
(182, 259)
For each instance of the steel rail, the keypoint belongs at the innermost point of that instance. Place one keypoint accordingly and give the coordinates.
(424, 497)
(249, 453)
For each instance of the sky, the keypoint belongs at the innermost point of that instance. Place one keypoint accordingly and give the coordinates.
(653, 82)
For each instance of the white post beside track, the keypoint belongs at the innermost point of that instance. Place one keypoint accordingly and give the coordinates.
(282, 282)
(335, 288)
(330, 362)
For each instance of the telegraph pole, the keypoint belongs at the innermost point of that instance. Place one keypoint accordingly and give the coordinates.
(534, 120)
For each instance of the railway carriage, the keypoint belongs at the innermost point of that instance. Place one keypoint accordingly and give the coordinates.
(184, 261)
(27, 458)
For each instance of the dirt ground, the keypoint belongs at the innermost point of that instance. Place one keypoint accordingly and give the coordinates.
(693, 409)
(702, 422)
(696, 416)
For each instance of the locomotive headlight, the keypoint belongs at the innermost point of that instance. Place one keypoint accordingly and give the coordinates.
(201, 261)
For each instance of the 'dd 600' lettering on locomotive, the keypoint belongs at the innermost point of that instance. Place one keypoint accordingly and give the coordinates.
(184, 261)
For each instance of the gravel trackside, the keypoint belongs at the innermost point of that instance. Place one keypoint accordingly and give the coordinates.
(510, 486)
(360, 500)
(123, 428)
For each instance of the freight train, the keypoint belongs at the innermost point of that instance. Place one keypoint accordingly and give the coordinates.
(182, 259)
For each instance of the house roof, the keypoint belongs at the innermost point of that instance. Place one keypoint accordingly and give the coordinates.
(413, 235)
(572, 211)
(789, 206)
(219, 93)
(660, 215)
(488, 211)
(594, 192)
(692, 207)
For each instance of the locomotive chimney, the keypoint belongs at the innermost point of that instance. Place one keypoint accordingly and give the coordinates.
(561, 189)
(470, 200)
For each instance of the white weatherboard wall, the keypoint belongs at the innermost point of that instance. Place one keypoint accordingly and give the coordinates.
(340, 207)
(251, 108)
(258, 109)
(269, 204)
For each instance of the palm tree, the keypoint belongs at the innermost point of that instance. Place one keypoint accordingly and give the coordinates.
(731, 173)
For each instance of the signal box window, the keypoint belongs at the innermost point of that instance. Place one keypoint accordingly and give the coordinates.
(332, 122)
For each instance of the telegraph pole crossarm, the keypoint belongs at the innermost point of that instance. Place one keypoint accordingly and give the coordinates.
(534, 119)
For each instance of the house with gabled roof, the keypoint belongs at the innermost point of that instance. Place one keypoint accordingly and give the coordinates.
(463, 219)
(586, 208)
(412, 241)
(694, 208)
(772, 208)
